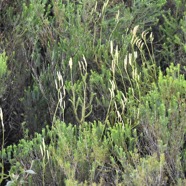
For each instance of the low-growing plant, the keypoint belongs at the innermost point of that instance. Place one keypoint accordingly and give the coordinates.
(3, 72)
(94, 65)
(162, 120)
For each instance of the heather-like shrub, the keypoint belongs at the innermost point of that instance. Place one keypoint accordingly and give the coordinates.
(95, 73)
(151, 152)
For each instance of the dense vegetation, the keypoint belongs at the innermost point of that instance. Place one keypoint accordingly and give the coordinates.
(93, 92)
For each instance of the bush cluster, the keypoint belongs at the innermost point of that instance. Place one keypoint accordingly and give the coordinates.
(92, 92)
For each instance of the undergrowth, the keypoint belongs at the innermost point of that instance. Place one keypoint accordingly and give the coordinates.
(92, 92)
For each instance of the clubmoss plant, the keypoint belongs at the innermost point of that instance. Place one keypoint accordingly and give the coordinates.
(90, 77)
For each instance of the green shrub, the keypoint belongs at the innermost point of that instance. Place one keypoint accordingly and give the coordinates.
(49, 34)
(162, 120)
(3, 72)
(93, 64)
(170, 47)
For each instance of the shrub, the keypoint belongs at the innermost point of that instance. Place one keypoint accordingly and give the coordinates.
(150, 153)
(3, 72)
(94, 65)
